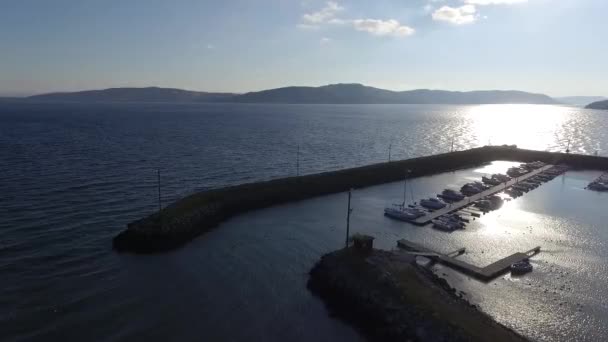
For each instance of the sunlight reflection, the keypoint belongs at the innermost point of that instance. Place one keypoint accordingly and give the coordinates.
(531, 126)
(502, 222)
(495, 167)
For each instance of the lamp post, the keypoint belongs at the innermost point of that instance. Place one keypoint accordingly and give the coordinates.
(160, 206)
(349, 210)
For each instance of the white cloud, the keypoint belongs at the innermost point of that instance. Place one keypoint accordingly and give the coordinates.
(326, 14)
(493, 2)
(210, 47)
(324, 41)
(337, 21)
(308, 27)
(457, 15)
(379, 27)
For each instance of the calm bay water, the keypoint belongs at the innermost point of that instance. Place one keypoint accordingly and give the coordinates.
(73, 175)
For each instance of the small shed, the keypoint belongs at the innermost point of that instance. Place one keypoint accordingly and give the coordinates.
(363, 243)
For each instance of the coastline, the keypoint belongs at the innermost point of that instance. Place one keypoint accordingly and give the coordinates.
(388, 297)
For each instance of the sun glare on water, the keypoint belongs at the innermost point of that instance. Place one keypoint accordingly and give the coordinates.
(528, 126)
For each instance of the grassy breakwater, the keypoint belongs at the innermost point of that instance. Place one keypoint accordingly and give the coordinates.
(195, 214)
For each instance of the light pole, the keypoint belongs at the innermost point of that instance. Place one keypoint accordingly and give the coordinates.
(349, 210)
(160, 206)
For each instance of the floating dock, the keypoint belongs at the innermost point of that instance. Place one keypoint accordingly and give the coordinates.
(482, 273)
(451, 207)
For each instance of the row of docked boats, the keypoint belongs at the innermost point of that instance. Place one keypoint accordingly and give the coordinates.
(531, 183)
(600, 184)
(523, 169)
(413, 211)
(453, 221)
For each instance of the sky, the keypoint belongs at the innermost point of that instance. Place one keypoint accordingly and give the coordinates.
(556, 47)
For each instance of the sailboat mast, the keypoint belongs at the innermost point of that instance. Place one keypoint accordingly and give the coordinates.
(405, 188)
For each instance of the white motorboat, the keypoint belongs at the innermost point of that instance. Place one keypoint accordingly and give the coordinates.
(491, 181)
(516, 171)
(472, 188)
(501, 177)
(451, 195)
(432, 203)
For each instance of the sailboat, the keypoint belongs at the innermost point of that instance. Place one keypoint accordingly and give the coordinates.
(401, 211)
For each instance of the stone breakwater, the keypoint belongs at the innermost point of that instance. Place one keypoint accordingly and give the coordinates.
(387, 297)
(193, 215)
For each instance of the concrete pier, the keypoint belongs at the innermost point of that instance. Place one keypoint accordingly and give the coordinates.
(486, 273)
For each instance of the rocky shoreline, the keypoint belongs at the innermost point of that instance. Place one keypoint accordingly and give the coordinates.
(387, 297)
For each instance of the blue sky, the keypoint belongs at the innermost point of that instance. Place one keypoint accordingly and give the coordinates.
(551, 46)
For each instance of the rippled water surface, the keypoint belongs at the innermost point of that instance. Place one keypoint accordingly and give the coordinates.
(72, 176)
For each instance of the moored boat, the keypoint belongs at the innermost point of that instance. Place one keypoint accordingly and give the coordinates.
(598, 186)
(491, 181)
(445, 225)
(470, 189)
(521, 267)
(516, 171)
(403, 214)
(501, 177)
(432, 203)
(451, 195)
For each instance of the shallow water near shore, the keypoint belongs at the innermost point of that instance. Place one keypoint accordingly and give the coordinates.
(73, 175)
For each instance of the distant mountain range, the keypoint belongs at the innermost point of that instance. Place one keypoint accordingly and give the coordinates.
(330, 94)
(360, 94)
(598, 105)
(579, 100)
(150, 94)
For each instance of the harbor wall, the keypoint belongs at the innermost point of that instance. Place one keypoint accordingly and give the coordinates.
(195, 214)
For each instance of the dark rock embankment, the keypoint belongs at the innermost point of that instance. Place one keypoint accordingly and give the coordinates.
(388, 298)
(193, 215)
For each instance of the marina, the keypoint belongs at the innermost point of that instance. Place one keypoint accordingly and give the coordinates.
(452, 210)
(486, 273)
(453, 207)
(198, 213)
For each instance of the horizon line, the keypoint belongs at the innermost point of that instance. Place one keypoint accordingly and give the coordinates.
(29, 94)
